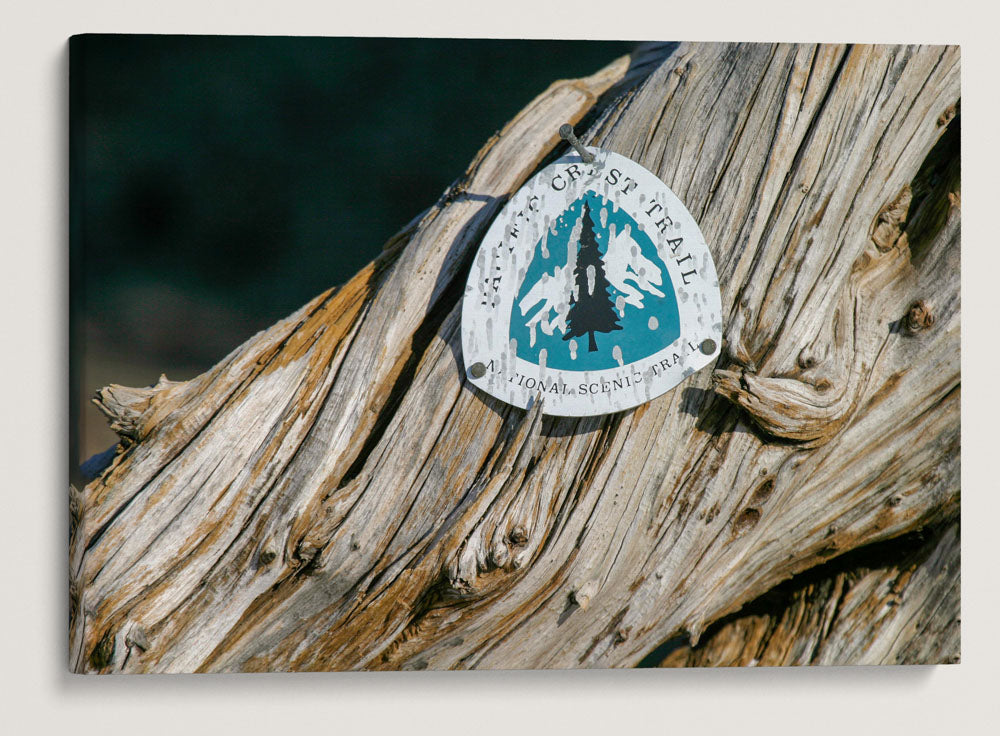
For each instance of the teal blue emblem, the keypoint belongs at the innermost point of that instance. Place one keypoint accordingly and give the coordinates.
(596, 294)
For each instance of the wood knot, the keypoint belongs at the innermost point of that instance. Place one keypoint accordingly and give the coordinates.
(918, 317)
(889, 222)
(518, 535)
(306, 555)
(746, 521)
(500, 555)
(267, 552)
(763, 492)
(136, 637)
(583, 595)
(808, 358)
(104, 651)
(947, 116)
(710, 515)
(460, 585)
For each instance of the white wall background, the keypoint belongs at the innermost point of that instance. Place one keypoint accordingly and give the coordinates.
(39, 696)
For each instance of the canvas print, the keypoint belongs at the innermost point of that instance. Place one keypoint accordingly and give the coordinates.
(408, 354)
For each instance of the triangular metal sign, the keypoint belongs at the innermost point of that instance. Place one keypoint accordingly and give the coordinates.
(593, 288)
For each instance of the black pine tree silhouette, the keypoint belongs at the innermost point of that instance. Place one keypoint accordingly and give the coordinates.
(591, 311)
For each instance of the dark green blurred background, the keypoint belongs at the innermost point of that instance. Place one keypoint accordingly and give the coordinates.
(217, 182)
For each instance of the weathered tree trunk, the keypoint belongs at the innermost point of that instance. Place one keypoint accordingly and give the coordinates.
(334, 495)
(900, 610)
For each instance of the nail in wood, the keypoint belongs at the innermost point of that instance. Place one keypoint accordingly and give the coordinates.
(567, 134)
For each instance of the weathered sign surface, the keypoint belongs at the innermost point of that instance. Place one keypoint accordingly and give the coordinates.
(593, 289)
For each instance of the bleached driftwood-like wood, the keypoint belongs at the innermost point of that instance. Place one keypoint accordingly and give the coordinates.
(334, 495)
(905, 612)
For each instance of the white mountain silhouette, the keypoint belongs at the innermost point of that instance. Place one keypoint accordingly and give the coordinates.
(631, 273)
(624, 262)
(553, 291)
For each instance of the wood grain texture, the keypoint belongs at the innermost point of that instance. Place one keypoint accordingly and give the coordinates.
(901, 612)
(334, 495)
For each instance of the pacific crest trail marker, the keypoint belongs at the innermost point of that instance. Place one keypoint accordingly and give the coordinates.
(593, 287)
